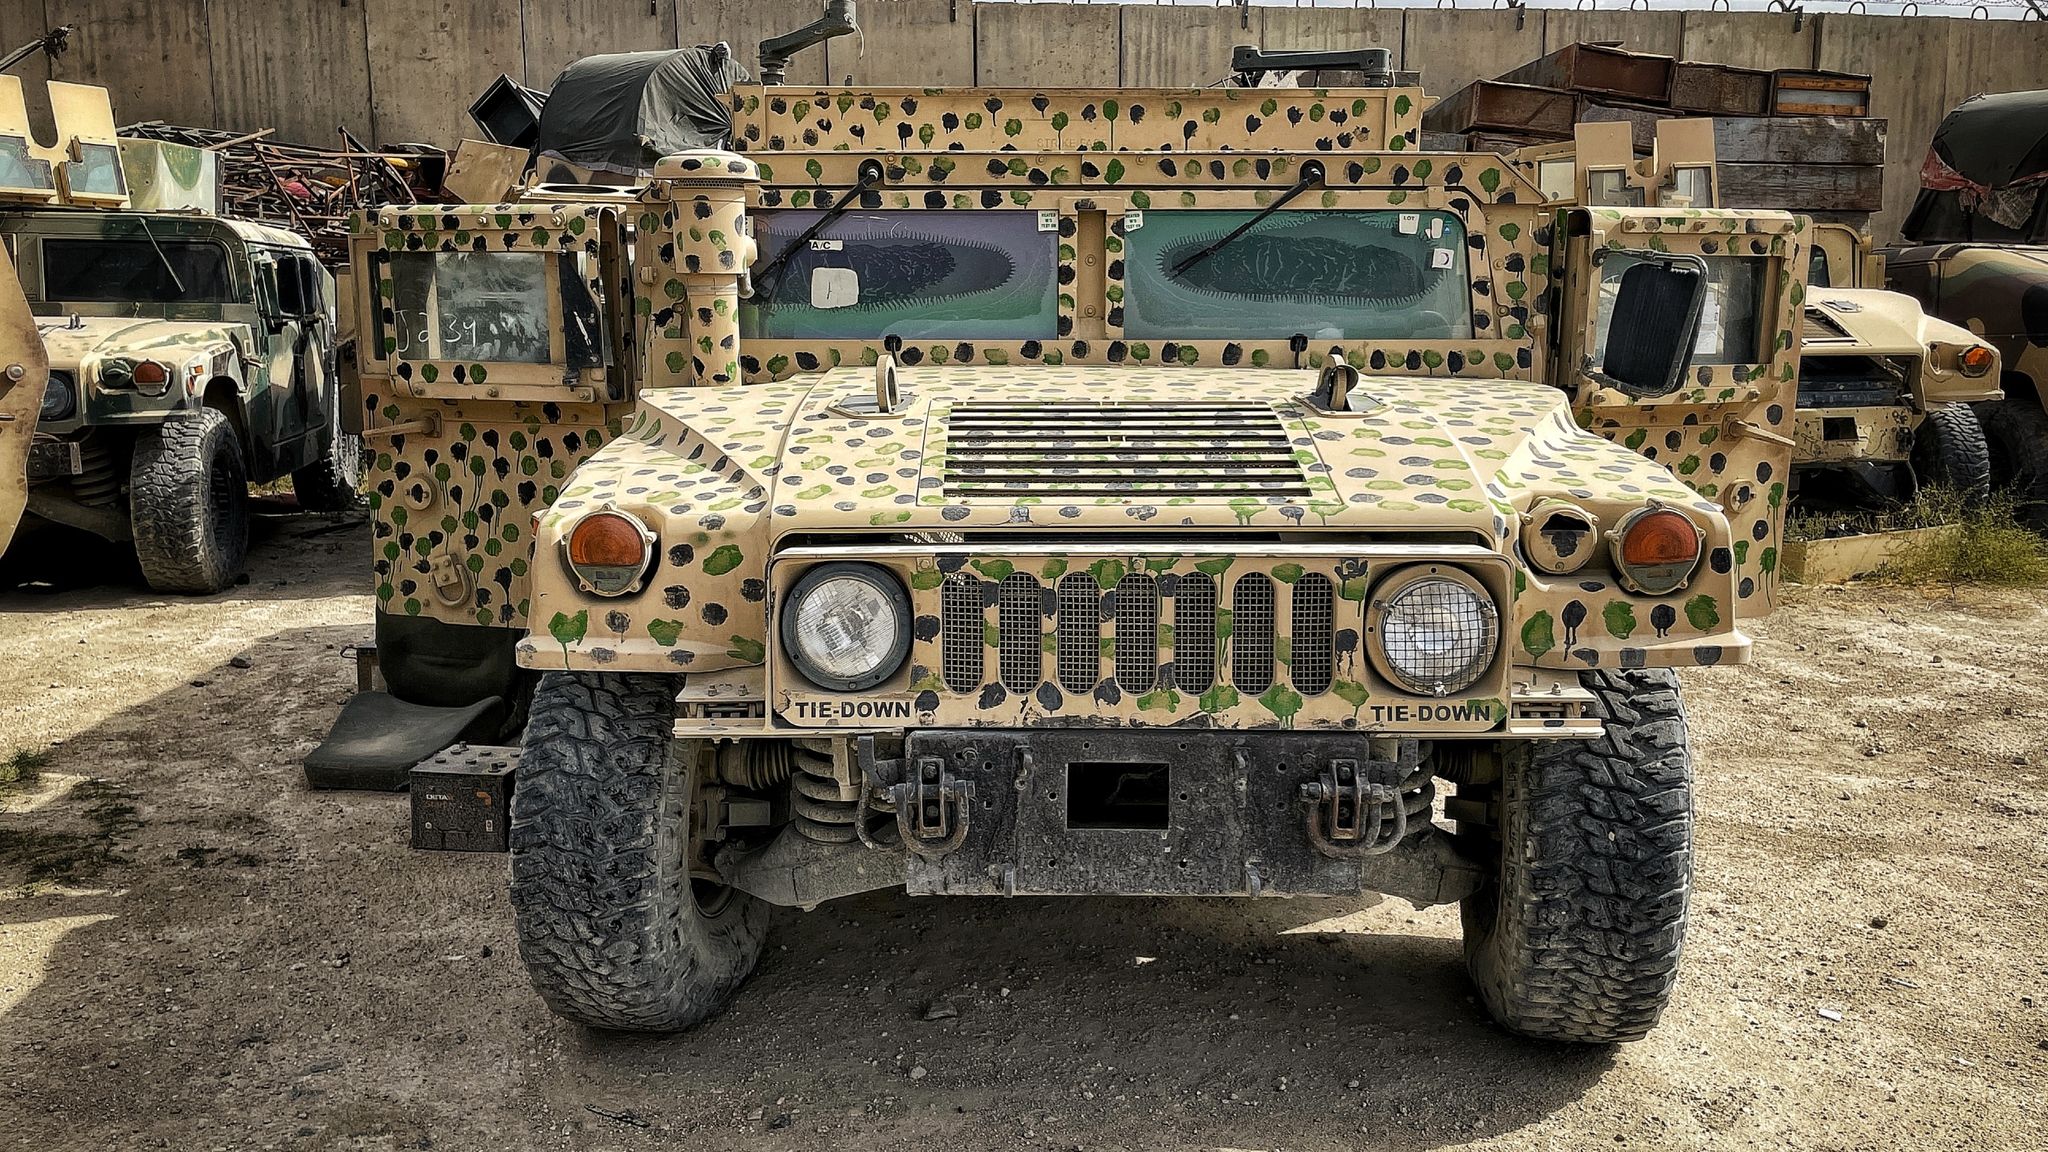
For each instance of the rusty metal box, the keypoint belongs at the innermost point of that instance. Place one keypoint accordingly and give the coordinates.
(462, 798)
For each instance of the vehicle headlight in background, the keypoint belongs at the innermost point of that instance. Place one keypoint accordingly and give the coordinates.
(608, 552)
(60, 398)
(1655, 550)
(847, 626)
(1435, 629)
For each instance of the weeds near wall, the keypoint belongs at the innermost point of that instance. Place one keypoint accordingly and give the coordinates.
(1976, 541)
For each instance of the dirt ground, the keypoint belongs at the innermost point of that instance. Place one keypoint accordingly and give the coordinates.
(196, 952)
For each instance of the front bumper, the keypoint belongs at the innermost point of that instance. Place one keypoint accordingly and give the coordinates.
(993, 813)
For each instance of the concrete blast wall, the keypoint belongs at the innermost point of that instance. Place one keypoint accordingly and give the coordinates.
(395, 70)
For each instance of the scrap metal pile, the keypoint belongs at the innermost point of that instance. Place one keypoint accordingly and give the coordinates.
(306, 189)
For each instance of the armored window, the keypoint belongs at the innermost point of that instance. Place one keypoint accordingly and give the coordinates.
(1327, 275)
(921, 275)
(131, 269)
(1731, 321)
(489, 307)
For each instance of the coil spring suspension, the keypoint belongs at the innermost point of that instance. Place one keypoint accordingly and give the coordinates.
(825, 811)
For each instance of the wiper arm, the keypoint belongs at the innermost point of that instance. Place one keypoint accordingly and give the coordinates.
(1311, 175)
(143, 223)
(764, 280)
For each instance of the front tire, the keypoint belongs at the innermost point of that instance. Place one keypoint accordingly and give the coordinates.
(1949, 452)
(188, 503)
(613, 928)
(1578, 936)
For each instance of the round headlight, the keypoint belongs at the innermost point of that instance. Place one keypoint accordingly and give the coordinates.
(59, 401)
(1435, 630)
(847, 626)
(608, 552)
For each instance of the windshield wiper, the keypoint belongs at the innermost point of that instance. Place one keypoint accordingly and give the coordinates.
(143, 223)
(870, 175)
(1311, 175)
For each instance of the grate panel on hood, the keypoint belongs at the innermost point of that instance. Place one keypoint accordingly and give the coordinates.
(1147, 450)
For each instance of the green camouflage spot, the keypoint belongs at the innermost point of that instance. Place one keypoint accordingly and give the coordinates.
(1287, 573)
(1163, 699)
(1107, 572)
(1214, 565)
(997, 570)
(568, 630)
(747, 650)
(1703, 612)
(1352, 693)
(1537, 635)
(665, 631)
(926, 579)
(1620, 618)
(1282, 701)
(1221, 698)
(726, 558)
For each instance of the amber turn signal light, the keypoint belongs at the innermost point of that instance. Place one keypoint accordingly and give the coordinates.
(608, 552)
(1976, 360)
(152, 373)
(1656, 550)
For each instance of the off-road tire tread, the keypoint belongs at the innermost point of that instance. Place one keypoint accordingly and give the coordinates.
(1949, 451)
(329, 484)
(168, 504)
(2016, 430)
(601, 896)
(1578, 938)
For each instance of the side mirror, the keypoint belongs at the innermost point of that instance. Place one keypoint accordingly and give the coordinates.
(1653, 325)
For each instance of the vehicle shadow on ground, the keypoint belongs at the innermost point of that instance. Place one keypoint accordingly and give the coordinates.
(1135, 1022)
(49, 561)
(229, 954)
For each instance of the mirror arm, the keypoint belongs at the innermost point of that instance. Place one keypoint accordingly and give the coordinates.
(763, 282)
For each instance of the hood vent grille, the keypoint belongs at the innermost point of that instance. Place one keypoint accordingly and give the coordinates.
(1142, 450)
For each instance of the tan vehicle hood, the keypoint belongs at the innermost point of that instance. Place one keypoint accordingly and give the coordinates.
(1091, 447)
(1871, 321)
(72, 340)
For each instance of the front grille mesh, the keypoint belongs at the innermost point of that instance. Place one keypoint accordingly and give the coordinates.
(1194, 632)
(1137, 632)
(1311, 636)
(1251, 633)
(1078, 650)
(1075, 450)
(1123, 636)
(1019, 636)
(960, 642)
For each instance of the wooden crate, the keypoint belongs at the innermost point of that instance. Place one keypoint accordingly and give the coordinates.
(1599, 70)
(1806, 92)
(1800, 140)
(1719, 89)
(1802, 187)
(1489, 105)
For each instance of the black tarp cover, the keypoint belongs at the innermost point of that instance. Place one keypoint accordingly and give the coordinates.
(1986, 172)
(623, 111)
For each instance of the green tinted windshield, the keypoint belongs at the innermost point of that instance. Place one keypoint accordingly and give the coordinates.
(1380, 274)
(986, 275)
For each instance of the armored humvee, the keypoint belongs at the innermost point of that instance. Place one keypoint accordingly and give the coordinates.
(1885, 390)
(1011, 491)
(191, 355)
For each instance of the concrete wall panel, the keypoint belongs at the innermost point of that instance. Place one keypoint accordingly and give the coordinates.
(430, 59)
(1183, 47)
(916, 43)
(153, 56)
(1660, 32)
(1909, 60)
(560, 31)
(745, 23)
(1453, 48)
(310, 76)
(1319, 29)
(1046, 45)
(1750, 39)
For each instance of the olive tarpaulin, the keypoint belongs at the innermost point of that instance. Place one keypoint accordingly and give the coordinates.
(1986, 173)
(621, 112)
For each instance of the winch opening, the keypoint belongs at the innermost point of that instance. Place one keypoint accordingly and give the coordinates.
(1117, 794)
